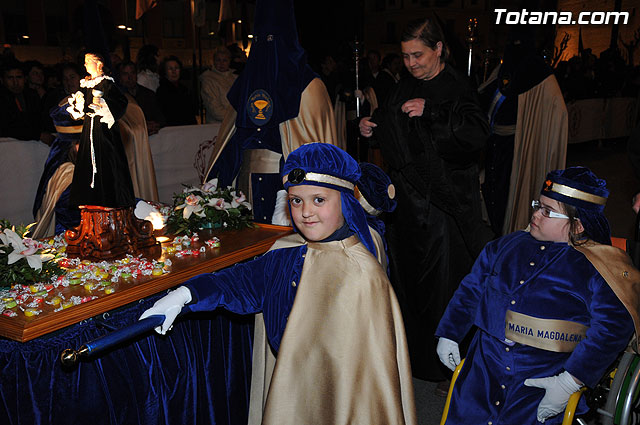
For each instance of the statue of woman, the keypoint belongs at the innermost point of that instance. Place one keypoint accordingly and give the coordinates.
(101, 175)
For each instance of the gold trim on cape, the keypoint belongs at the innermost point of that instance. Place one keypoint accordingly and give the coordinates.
(615, 266)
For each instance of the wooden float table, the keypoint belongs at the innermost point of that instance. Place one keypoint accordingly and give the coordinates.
(235, 246)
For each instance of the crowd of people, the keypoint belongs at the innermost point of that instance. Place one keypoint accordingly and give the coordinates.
(161, 87)
(586, 75)
(164, 89)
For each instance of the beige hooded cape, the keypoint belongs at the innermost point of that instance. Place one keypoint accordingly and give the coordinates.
(343, 357)
(540, 146)
(618, 271)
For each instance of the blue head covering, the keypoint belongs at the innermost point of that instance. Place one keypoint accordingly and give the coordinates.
(376, 195)
(322, 164)
(579, 187)
(374, 190)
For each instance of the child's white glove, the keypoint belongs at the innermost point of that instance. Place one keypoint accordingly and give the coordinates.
(168, 306)
(448, 352)
(558, 390)
(103, 111)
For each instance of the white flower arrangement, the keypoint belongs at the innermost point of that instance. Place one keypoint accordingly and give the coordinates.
(24, 259)
(209, 207)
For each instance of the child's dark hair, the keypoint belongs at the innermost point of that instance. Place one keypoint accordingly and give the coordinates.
(576, 238)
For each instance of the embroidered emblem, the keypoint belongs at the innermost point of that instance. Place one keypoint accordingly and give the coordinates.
(296, 176)
(548, 184)
(259, 107)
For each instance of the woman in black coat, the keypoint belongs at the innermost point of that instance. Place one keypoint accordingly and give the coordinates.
(431, 132)
(174, 98)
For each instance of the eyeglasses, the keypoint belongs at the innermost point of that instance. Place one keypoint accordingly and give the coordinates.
(536, 205)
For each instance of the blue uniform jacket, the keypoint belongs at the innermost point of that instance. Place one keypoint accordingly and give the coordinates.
(541, 279)
(267, 284)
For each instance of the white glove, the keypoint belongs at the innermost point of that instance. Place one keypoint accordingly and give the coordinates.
(448, 352)
(558, 390)
(168, 306)
(102, 109)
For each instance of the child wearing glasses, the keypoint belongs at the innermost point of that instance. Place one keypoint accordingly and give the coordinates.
(331, 316)
(547, 306)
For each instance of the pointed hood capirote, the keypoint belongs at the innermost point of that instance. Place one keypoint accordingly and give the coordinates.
(276, 68)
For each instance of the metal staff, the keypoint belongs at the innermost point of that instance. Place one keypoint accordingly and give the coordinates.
(356, 56)
(69, 356)
(471, 38)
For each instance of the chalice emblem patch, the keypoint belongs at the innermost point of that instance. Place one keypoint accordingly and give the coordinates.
(259, 107)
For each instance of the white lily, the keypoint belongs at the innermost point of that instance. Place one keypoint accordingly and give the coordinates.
(210, 186)
(191, 206)
(239, 199)
(24, 248)
(219, 204)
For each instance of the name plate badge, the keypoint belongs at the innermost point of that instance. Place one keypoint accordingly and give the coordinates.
(561, 336)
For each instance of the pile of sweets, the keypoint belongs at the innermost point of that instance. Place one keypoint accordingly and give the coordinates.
(99, 278)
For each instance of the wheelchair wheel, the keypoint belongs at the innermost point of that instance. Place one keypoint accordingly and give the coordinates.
(621, 406)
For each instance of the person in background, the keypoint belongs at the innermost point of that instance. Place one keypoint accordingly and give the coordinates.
(371, 68)
(528, 120)
(326, 295)
(548, 306)
(215, 84)
(127, 80)
(20, 107)
(238, 58)
(330, 77)
(116, 60)
(147, 65)
(52, 77)
(35, 77)
(431, 131)
(70, 75)
(175, 101)
(388, 77)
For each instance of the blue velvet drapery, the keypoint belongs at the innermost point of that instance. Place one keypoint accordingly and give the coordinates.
(199, 373)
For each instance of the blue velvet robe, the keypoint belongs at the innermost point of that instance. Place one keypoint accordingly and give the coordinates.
(66, 217)
(542, 279)
(262, 285)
